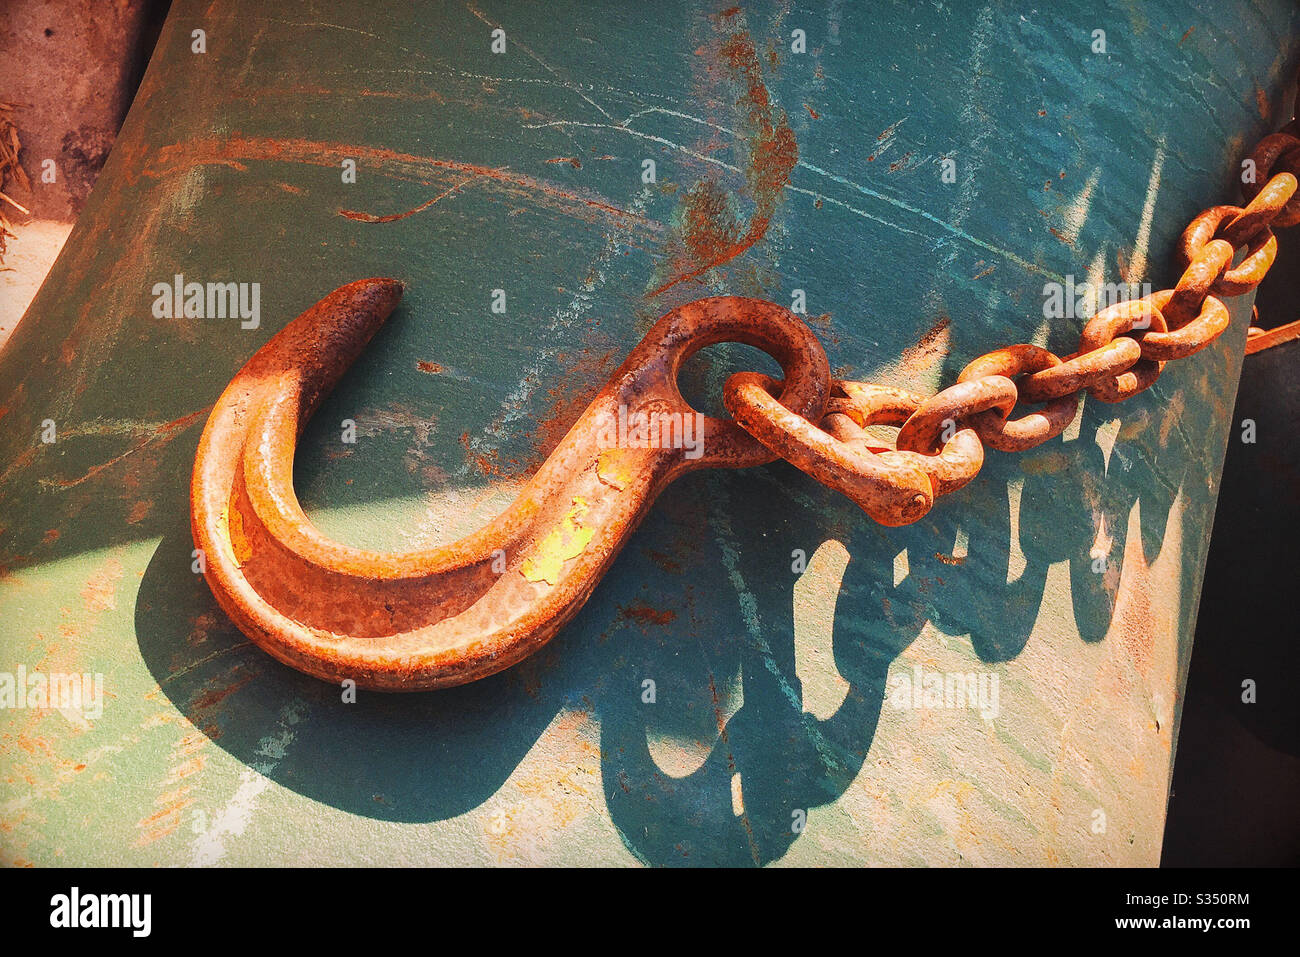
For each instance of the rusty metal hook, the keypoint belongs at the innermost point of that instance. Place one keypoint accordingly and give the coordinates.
(452, 614)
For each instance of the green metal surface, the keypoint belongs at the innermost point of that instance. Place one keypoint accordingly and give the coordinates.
(522, 171)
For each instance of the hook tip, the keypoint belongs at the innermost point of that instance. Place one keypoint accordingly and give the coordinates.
(386, 285)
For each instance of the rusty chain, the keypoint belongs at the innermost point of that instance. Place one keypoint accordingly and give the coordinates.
(1122, 351)
(457, 612)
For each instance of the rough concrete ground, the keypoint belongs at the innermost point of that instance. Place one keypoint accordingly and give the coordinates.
(70, 69)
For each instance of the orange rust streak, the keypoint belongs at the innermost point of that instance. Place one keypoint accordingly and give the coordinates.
(215, 696)
(927, 349)
(169, 820)
(639, 611)
(318, 90)
(184, 770)
(164, 813)
(393, 217)
(1261, 101)
(163, 432)
(756, 232)
(213, 151)
(773, 154)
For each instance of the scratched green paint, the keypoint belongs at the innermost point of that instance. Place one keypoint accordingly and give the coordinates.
(208, 752)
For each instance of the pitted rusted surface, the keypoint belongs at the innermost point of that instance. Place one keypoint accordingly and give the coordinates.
(866, 404)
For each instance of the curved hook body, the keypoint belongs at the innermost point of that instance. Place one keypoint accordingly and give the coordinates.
(448, 615)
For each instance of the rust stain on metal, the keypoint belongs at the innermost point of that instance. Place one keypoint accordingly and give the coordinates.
(1262, 104)
(711, 233)
(363, 217)
(666, 562)
(931, 347)
(100, 591)
(156, 435)
(901, 163)
(485, 463)
(648, 615)
(579, 384)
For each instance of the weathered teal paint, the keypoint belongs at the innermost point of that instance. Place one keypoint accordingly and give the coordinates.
(769, 685)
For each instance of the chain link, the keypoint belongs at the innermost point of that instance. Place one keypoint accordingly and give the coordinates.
(1017, 435)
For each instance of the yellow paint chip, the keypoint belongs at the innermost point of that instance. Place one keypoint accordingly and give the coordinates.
(568, 540)
(614, 467)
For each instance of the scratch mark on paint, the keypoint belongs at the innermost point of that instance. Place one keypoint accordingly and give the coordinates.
(183, 156)
(711, 234)
(154, 433)
(817, 195)
(567, 84)
(559, 332)
(393, 217)
(725, 537)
